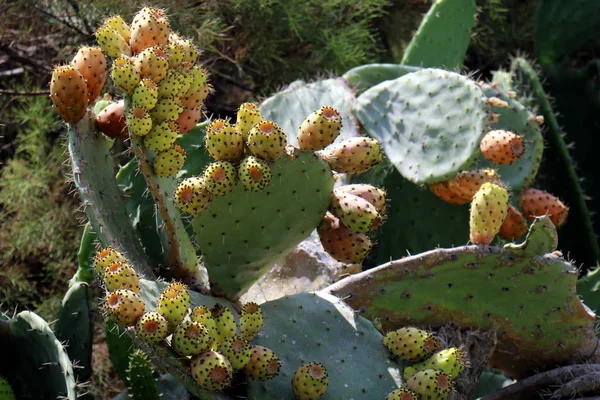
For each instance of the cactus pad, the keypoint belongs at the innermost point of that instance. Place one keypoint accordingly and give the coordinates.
(363, 77)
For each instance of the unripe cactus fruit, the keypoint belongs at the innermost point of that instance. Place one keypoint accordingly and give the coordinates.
(111, 42)
(203, 315)
(125, 75)
(191, 338)
(188, 119)
(199, 88)
(121, 276)
(224, 321)
(174, 84)
(190, 52)
(310, 381)
(106, 257)
(149, 27)
(124, 306)
(220, 177)
(145, 94)
(118, 24)
(152, 327)
(462, 188)
(195, 99)
(251, 320)
(175, 51)
(373, 195)
(451, 361)
(161, 136)
(319, 129)
(223, 142)
(152, 63)
(267, 140)
(514, 225)
(168, 108)
(502, 147)
(535, 203)
(6, 391)
(356, 213)
(263, 364)
(255, 174)
(139, 121)
(341, 243)
(91, 64)
(430, 384)
(112, 121)
(488, 211)
(248, 115)
(353, 156)
(169, 162)
(237, 350)
(173, 303)
(403, 394)
(68, 92)
(411, 344)
(192, 196)
(211, 371)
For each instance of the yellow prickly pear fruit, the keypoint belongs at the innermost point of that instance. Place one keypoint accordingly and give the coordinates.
(263, 364)
(105, 258)
(111, 42)
(310, 381)
(319, 129)
(192, 196)
(411, 344)
(489, 208)
(152, 63)
(124, 307)
(118, 24)
(224, 321)
(203, 315)
(170, 161)
(267, 141)
(124, 74)
(248, 115)
(145, 94)
(173, 303)
(139, 121)
(121, 276)
(452, 361)
(251, 320)
(68, 92)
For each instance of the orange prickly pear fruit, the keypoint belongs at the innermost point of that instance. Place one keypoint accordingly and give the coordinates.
(188, 119)
(341, 243)
(91, 64)
(150, 27)
(535, 203)
(462, 188)
(68, 92)
(514, 226)
(502, 147)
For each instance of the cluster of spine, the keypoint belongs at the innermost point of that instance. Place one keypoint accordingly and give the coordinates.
(6, 391)
(432, 369)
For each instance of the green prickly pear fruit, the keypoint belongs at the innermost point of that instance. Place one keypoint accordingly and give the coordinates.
(152, 327)
(121, 276)
(174, 84)
(192, 196)
(356, 213)
(117, 23)
(145, 94)
(452, 361)
(310, 381)
(91, 64)
(502, 147)
(411, 344)
(224, 321)
(161, 136)
(111, 42)
(211, 371)
(106, 257)
(341, 243)
(149, 27)
(199, 88)
(514, 225)
(173, 303)
(68, 92)
(354, 155)
(220, 177)
(267, 140)
(188, 119)
(254, 173)
(6, 391)
(373, 195)
(191, 338)
(320, 129)
(112, 121)
(431, 384)
(402, 394)
(263, 364)
(248, 115)
(124, 307)
(223, 142)
(190, 52)
(168, 108)
(152, 63)
(251, 320)
(203, 315)
(488, 211)
(169, 162)
(139, 121)
(175, 51)
(536, 203)
(125, 75)
(237, 350)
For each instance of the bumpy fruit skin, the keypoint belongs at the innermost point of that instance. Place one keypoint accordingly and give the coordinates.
(411, 344)
(174, 84)
(190, 51)
(118, 24)
(6, 391)
(310, 381)
(255, 174)
(152, 63)
(514, 225)
(237, 350)
(430, 384)
(152, 327)
(220, 177)
(319, 129)
(111, 42)
(203, 315)
(263, 364)
(173, 303)
(124, 306)
(192, 196)
(224, 321)
(125, 75)
(175, 51)
(191, 338)
(488, 211)
(68, 92)
(167, 109)
(106, 257)
(248, 115)
(162, 136)
(356, 213)
(145, 94)
(170, 161)
(121, 276)
(402, 394)
(212, 371)
(353, 156)
(535, 203)
(502, 147)
(341, 243)
(373, 195)
(223, 142)
(251, 320)
(139, 121)
(112, 121)
(451, 361)
(149, 27)
(188, 119)
(267, 140)
(462, 188)
(91, 64)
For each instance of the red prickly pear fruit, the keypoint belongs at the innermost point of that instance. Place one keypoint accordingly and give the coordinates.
(121, 276)
(161, 136)
(118, 24)
(68, 92)
(192, 196)
(139, 121)
(251, 320)
(356, 213)
(124, 307)
(152, 327)
(411, 344)
(255, 174)
(502, 147)
(431, 384)
(191, 338)
(267, 140)
(125, 75)
(169, 162)
(462, 188)
(536, 203)
(152, 63)
(319, 129)
(169, 108)
(373, 195)
(237, 350)
(106, 257)
(451, 361)
(488, 211)
(112, 121)
(91, 64)
(514, 225)
(248, 115)
(212, 371)
(173, 303)
(341, 243)
(149, 27)
(354, 155)
(111, 42)
(223, 142)
(220, 177)
(224, 321)
(310, 381)
(403, 394)
(263, 365)
(203, 315)
(188, 119)
(145, 94)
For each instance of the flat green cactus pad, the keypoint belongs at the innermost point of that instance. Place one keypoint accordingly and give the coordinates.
(318, 327)
(363, 77)
(430, 122)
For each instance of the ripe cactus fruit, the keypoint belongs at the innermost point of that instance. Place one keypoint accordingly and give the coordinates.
(403, 394)
(212, 371)
(6, 391)
(353, 156)
(263, 364)
(195, 99)
(310, 381)
(174, 84)
(161, 136)
(535, 203)
(191, 338)
(190, 51)
(220, 177)
(341, 243)
(188, 119)
(411, 344)
(467, 183)
(192, 196)
(224, 322)
(170, 161)
(149, 27)
(111, 42)
(254, 173)
(502, 147)
(248, 115)
(430, 384)
(356, 213)
(139, 121)
(118, 24)
(167, 108)
(373, 195)
(145, 94)
(451, 361)
(124, 306)
(152, 327)
(91, 64)
(514, 225)
(203, 315)
(112, 122)
(68, 92)
(319, 129)
(199, 88)
(173, 303)
(267, 140)
(121, 276)
(251, 320)
(106, 257)
(488, 211)
(152, 63)
(223, 142)
(125, 75)
(237, 350)
(443, 191)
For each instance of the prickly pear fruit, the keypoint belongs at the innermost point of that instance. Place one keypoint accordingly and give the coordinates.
(251, 320)
(168, 108)
(106, 257)
(124, 306)
(145, 94)
(467, 183)
(443, 191)
(353, 156)
(514, 225)
(220, 177)
(112, 122)
(488, 211)
(356, 213)
(152, 63)
(161, 136)
(254, 173)
(535, 203)
(263, 364)
(411, 344)
(149, 27)
(452, 361)
(192, 196)
(173, 303)
(170, 161)
(188, 119)
(118, 24)
(373, 195)
(190, 51)
(111, 42)
(310, 381)
(248, 115)
(402, 394)
(341, 243)
(6, 391)
(152, 327)
(237, 350)
(223, 142)
(174, 84)
(175, 51)
(224, 322)
(203, 315)
(212, 371)
(91, 64)
(267, 140)
(319, 129)
(191, 338)
(139, 121)
(431, 384)
(121, 276)
(68, 92)
(502, 147)
(199, 87)
(125, 75)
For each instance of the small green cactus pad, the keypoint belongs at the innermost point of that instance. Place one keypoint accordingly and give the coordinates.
(318, 327)
(243, 233)
(120, 347)
(140, 379)
(430, 122)
(167, 385)
(363, 77)
(530, 300)
(541, 239)
(443, 36)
